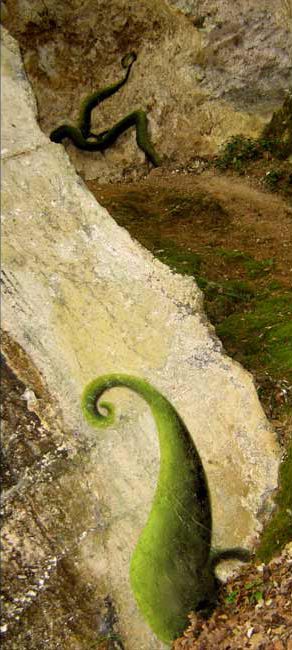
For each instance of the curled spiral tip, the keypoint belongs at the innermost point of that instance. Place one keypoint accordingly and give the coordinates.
(100, 414)
(109, 414)
(128, 59)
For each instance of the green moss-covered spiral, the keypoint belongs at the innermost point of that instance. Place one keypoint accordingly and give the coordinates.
(172, 567)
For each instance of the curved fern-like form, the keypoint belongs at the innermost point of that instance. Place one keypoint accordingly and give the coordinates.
(82, 136)
(172, 567)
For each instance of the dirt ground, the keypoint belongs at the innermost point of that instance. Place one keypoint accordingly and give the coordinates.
(205, 211)
(254, 612)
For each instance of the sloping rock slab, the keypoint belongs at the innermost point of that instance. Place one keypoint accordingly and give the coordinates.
(82, 299)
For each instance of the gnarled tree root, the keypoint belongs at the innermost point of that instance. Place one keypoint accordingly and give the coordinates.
(107, 138)
(85, 140)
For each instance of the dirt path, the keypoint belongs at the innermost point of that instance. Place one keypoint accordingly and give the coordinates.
(204, 211)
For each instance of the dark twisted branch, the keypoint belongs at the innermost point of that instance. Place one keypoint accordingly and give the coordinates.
(84, 139)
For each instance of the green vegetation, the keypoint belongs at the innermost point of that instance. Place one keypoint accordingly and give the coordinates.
(231, 598)
(231, 255)
(255, 325)
(262, 338)
(272, 178)
(257, 268)
(276, 141)
(179, 259)
(253, 592)
(171, 572)
(262, 335)
(274, 147)
(254, 268)
(223, 298)
(239, 151)
(278, 532)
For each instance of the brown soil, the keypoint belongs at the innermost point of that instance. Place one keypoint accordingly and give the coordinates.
(254, 612)
(205, 211)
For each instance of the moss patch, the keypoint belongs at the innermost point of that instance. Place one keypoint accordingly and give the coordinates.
(179, 259)
(278, 532)
(170, 569)
(239, 151)
(262, 335)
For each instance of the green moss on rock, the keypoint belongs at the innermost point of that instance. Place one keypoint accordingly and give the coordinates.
(178, 258)
(278, 532)
(172, 567)
(170, 571)
(265, 332)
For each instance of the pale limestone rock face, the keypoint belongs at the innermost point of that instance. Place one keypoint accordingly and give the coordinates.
(18, 135)
(246, 50)
(83, 299)
(199, 86)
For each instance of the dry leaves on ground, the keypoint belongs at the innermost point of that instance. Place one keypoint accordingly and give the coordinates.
(255, 611)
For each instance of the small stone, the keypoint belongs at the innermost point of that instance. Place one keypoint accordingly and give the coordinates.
(28, 395)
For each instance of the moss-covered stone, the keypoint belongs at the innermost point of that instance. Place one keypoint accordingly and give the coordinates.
(169, 567)
(172, 567)
(278, 532)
